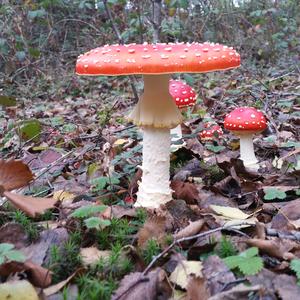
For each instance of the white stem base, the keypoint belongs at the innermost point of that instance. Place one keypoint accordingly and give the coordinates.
(154, 189)
(247, 152)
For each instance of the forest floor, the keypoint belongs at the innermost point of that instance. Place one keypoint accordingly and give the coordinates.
(229, 233)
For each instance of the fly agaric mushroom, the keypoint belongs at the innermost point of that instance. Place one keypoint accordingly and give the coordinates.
(184, 96)
(245, 122)
(156, 111)
(212, 132)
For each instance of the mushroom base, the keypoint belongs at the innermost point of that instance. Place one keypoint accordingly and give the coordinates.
(247, 151)
(154, 188)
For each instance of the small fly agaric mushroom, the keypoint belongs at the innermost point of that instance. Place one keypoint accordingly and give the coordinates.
(184, 96)
(245, 122)
(156, 111)
(212, 132)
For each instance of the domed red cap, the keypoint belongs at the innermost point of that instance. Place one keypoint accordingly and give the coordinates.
(245, 119)
(214, 131)
(183, 94)
(158, 58)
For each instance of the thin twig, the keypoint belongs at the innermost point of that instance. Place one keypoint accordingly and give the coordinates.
(184, 239)
(143, 277)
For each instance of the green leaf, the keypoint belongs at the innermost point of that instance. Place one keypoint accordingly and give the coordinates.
(273, 193)
(251, 266)
(7, 101)
(189, 79)
(233, 262)
(97, 223)
(16, 255)
(30, 129)
(295, 266)
(214, 148)
(34, 52)
(248, 262)
(7, 253)
(251, 252)
(101, 182)
(5, 247)
(87, 211)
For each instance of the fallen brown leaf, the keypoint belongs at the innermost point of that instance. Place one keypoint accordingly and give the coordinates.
(138, 287)
(91, 255)
(14, 174)
(13, 233)
(240, 292)
(185, 190)
(191, 229)
(154, 228)
(217, 274)
(37, 275)
(197, 289)
(286, 286)
(32, 206)
(56, 287)
(276, 247)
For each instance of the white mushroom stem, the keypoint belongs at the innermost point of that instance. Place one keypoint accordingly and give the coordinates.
(247, 151)
(154, 189)
(156, 112)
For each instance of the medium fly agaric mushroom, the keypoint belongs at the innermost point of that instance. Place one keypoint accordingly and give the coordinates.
(184, 96)
(156, 111)
(213, 132)
(245, 122)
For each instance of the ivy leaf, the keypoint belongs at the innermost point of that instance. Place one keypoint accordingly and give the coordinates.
(273, 193)
(97, 223)
(87, 211)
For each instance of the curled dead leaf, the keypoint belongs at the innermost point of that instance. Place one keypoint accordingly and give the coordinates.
(185, 190)
(31, 206)
(191, 229)
(36, 274)
(14, 174)
(138, 287)
(277, 248)
(154, 228)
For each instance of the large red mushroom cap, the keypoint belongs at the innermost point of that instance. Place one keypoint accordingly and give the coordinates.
(157, 59)
(212, 133)
(183, 94)
(245, 120)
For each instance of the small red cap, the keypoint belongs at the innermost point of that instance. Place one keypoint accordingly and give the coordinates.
(214, 132)
(182, 93)
(245, 119)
